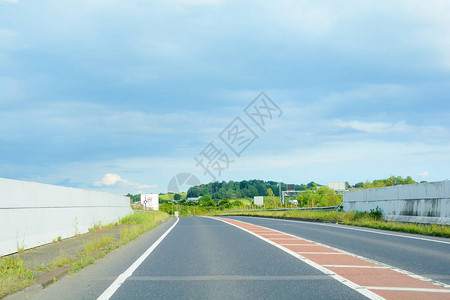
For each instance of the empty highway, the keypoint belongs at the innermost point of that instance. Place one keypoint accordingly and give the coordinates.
(255, 258)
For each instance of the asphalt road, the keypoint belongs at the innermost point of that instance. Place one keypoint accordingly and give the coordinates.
(422, 255)
(203, 258)
(207, 259)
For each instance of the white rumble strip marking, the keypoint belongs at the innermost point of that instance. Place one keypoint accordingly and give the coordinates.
(435, 282)
(362, 267)
(361, 289)
(350, 284)
(298, 245)
(327, 253)
(387, 288)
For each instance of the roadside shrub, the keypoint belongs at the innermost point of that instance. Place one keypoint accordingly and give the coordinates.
(238, 203)
(376, 214)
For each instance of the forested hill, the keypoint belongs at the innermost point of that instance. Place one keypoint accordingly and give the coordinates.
(251, 188)
(242, 189)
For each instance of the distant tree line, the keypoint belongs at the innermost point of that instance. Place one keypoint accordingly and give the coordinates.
(243, 189)
(314, 195)
(134, 198)
(391, 181)
(321, 197)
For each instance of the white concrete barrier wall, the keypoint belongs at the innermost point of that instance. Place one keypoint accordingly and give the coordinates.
(33, 214)
(418, 203)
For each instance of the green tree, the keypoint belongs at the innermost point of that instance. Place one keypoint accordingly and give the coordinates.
(206, 201)
(205, 191)
(327, 197)
(359, 185)
(252, 191)
(409, 180)
(177, 197)
(238, 203)
(205, 198)
(312, 185)
(270, 192)
(306, 199)
(391, 181)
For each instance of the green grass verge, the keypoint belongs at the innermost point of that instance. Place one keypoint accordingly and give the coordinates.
(245, 201)
(60, 261)
(134, 225)
(14, 276)
(170, 196)
(100, 226)
(352, 218)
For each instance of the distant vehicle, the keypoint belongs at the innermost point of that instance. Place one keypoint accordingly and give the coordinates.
(293, 202)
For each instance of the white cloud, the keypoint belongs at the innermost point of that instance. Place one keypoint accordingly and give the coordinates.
(200, 2)
(375, 127)
(10, 89)
(368, 91)
(423, 175)
(8, 39)
(114, 180)
(108, 180)
(398, 130)
(434, 34)
(305, 17)
(348, 160)
(161, 49)
(353, 161)
(62, 119)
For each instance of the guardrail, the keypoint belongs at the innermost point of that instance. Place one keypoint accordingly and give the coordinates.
(326, 208)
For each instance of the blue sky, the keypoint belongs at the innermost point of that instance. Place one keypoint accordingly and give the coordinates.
(121, 96)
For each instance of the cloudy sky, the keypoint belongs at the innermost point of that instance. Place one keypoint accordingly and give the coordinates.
(121, 96)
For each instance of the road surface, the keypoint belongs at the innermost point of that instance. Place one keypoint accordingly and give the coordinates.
(223, 258)
(425, 255)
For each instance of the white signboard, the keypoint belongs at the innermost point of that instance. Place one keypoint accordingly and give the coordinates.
(337, 186)
(150, 201)
(258, 200)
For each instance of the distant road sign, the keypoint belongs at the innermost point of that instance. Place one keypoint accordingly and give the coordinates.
(150, 201)
(258, 200)
(291, 187)
(337, 186)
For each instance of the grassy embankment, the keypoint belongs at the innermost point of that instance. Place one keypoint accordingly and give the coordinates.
(371, 220)
(135, 225)
(190, 209)
(14, 275)
(166, 197)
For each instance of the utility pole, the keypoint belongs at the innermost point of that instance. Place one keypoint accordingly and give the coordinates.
(280, 192)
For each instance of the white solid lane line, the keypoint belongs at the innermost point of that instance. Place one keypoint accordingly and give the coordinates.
(350, 284)
(388, 288)
(355, 266)
(122, 277)
(438, 283)
(327, 253)
(307, 245)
